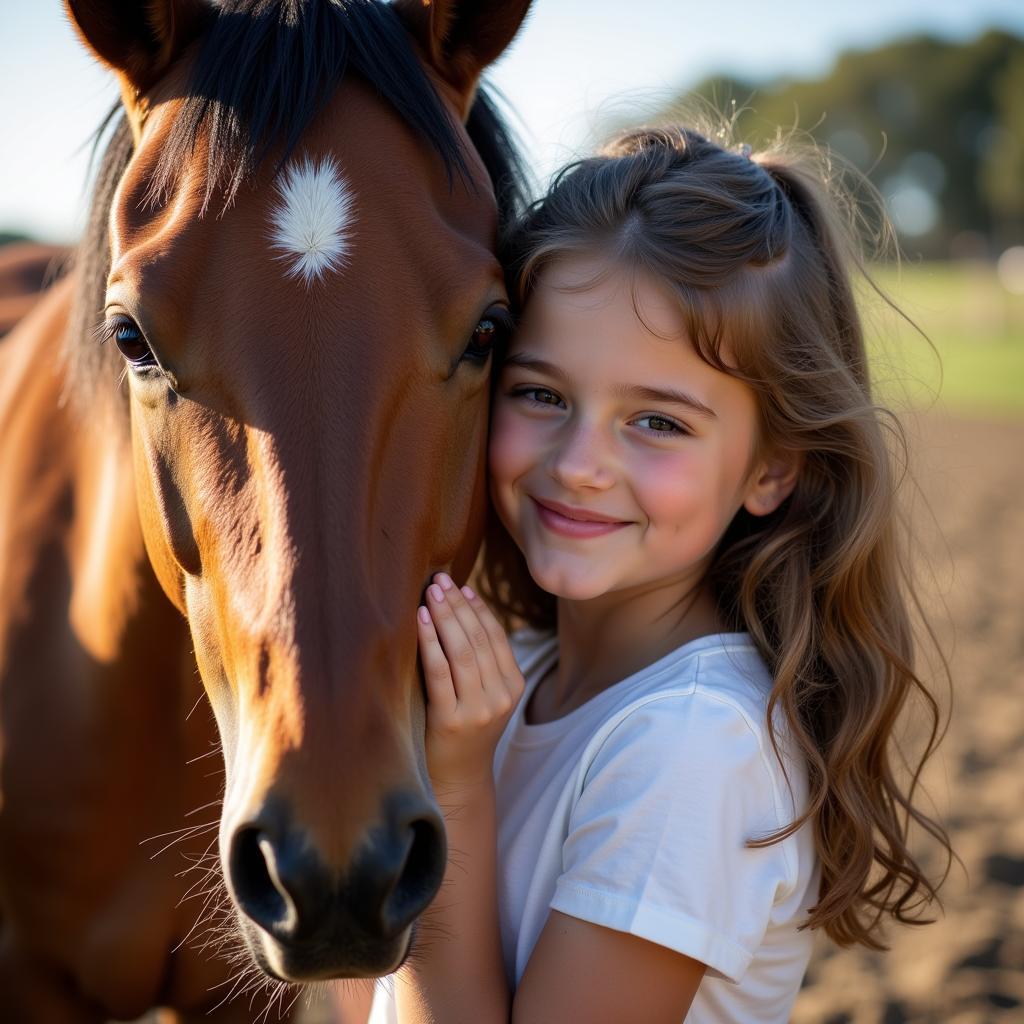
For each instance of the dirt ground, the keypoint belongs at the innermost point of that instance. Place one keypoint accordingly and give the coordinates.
(968, 967)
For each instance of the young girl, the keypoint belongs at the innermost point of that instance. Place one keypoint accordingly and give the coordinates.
(697, 518)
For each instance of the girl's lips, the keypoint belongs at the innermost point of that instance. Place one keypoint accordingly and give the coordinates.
(567, 527)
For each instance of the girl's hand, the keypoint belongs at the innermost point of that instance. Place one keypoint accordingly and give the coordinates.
(472, 684)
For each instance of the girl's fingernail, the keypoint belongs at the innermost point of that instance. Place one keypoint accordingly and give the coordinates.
(423, 615)
(468, 593)
(445, 580)
(436, 592)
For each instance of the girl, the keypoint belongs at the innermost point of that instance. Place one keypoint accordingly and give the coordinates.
(697, 518)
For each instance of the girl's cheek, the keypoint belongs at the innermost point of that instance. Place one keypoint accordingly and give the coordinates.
(510, 447)
(508, 461)
(670, 490)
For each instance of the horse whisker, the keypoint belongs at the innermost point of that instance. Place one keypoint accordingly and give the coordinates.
(212, 803)
(199, 757)
(199, 830)
(196, 895)
(205, 875)
(173, 831)
(194, 706)
(286, 1012)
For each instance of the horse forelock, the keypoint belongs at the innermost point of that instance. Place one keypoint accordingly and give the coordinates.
(265, 68)
(259, 75)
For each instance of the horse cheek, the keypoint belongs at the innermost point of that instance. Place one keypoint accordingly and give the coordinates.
(466, 556)
(167, 568)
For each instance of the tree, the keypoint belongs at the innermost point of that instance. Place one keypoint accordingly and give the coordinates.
(937, 126)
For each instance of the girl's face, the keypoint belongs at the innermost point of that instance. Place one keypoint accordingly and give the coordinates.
(618, 456)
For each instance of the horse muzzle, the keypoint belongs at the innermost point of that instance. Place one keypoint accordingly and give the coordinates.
(305, 921)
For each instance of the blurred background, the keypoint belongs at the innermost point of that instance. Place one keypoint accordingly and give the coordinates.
(927, 99)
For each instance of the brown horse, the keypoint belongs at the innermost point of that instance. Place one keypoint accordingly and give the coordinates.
(26, 268)
(277, 432)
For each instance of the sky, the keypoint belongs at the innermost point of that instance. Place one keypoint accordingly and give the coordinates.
(575, 62)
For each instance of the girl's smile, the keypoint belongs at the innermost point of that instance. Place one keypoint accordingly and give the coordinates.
(574, 522)
(618, 455)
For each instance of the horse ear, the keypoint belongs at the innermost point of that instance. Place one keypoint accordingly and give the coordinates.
(461, 37)
(138, 40)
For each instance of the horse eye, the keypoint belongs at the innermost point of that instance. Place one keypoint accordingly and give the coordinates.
(492, 331)
(131, 343)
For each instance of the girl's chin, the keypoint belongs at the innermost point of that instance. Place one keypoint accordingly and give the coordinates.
(569, 586)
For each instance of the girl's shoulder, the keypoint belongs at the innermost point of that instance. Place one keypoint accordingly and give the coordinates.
(705, 703)
(723, 668)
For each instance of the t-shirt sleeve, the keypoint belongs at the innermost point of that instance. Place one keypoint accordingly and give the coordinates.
(657, 838)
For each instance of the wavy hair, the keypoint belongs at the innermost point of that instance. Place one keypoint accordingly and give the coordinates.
(760, 251)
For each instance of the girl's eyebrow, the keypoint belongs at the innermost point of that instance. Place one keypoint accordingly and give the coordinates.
(666, 395)
(533, 363)
(641, 391)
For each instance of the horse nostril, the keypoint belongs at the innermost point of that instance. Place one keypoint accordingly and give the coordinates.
(260, 892)
(280, 883)
(418, 878)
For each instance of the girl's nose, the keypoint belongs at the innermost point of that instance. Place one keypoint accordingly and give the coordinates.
(581, 458)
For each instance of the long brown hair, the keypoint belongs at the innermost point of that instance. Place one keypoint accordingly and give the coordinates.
(760, 255)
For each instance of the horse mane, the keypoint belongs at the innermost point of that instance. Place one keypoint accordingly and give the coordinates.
(93, 370)
(263, 70)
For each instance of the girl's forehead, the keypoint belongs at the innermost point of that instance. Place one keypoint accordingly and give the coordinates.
(590, 298)
(602, 326)
(581, 296)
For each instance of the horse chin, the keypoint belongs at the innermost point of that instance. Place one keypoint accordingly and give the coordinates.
(320, 960)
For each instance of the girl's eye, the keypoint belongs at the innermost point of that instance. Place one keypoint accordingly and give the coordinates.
(542, 396)
(131, 342)
(493, 331)
(662, 425)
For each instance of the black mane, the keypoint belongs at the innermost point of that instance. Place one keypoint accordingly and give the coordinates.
(263, 71)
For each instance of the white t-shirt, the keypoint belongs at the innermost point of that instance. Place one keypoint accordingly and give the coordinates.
(633, 812)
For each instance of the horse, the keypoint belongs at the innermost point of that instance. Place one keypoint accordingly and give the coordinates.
(236, 442)
(26, 269)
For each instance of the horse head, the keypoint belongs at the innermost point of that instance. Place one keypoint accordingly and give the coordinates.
(303, 295)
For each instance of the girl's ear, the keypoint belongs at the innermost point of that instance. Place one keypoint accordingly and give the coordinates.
(459, 38)
(139, 41)
(772, 483)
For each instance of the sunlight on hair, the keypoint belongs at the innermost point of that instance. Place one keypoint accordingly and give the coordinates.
(312, 221)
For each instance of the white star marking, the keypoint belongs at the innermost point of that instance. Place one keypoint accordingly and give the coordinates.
(312, 221)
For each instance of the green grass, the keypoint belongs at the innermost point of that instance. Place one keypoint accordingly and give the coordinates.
(974, 363)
